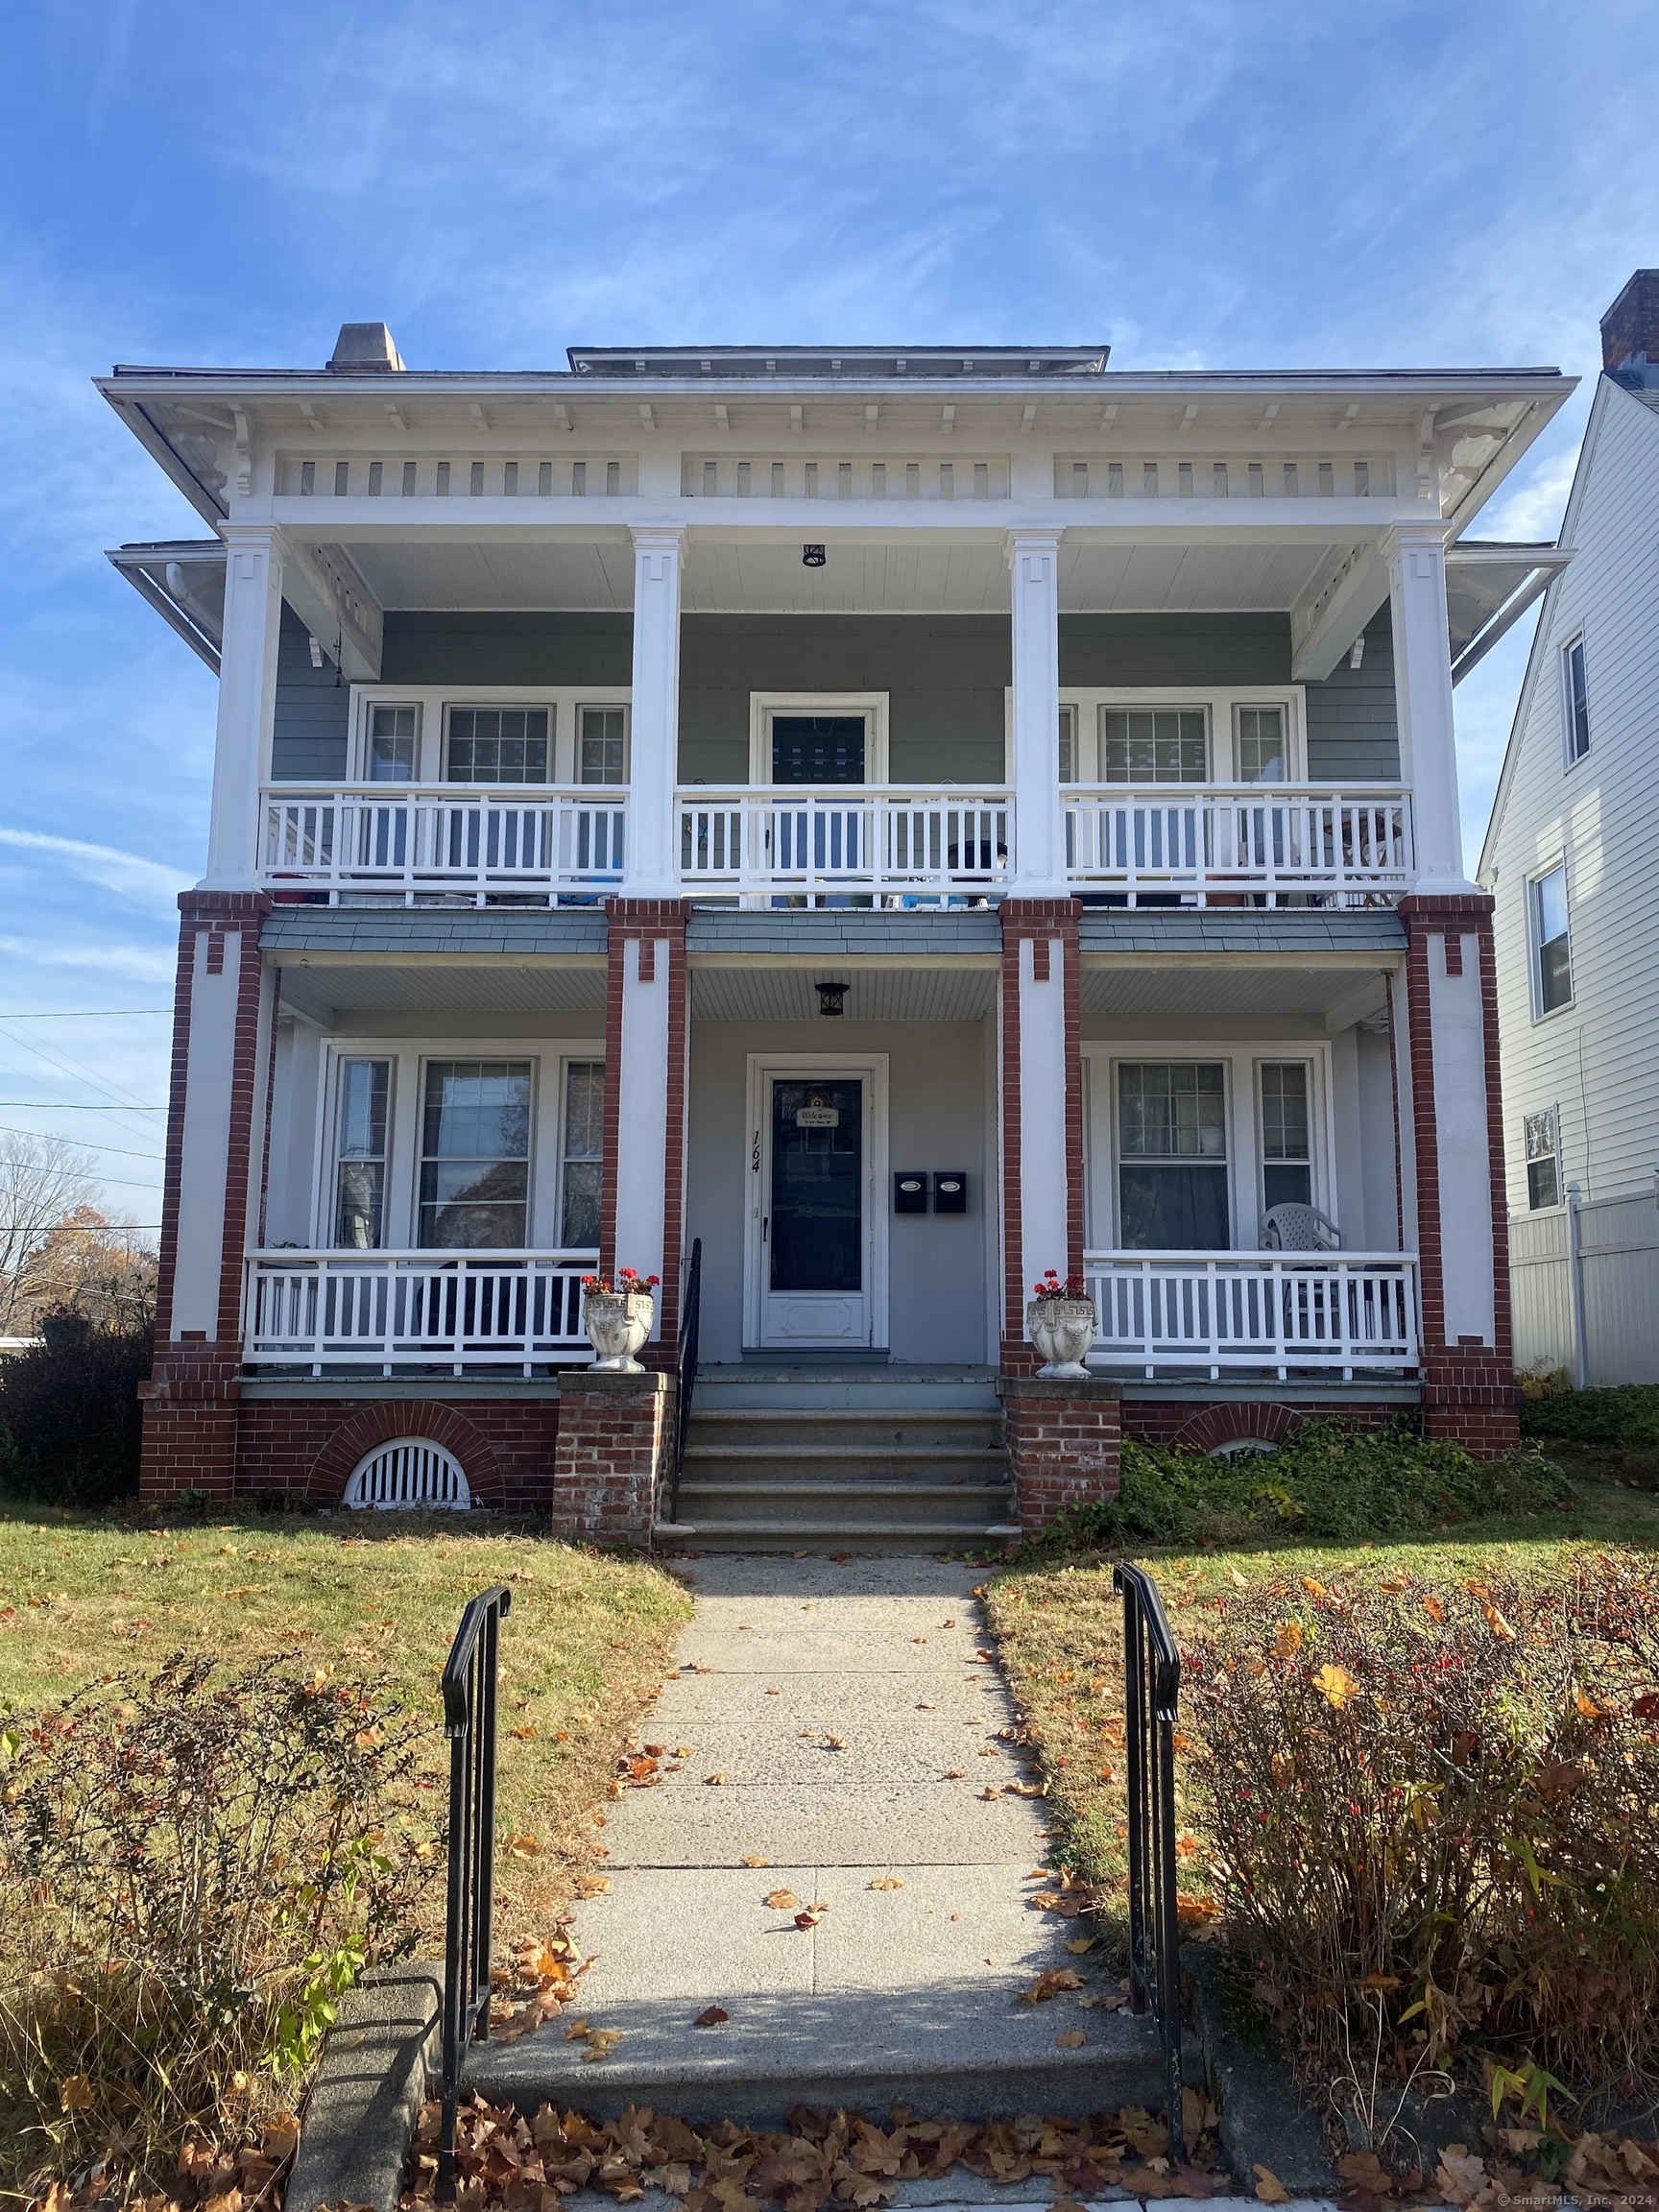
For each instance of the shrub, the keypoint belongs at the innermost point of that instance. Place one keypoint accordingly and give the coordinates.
(1434, 1819)
(1327, 1481)
(192, 1868)
(70, 1420)
(1625, 1419)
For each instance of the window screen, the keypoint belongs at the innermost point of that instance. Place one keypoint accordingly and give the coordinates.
(497, 745)
(1173, 1156)
(1577, 701)
(584, 1146)
(1543, 1132)
(475, 1154)
(1154, 745)
(360, 1173)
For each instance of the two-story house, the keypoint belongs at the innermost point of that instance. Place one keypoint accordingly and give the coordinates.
(1570, 859)
(894, 821)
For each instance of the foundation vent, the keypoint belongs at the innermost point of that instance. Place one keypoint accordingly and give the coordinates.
(412, 1472)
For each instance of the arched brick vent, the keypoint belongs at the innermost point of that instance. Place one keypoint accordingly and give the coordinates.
(394, 1418)
(1219, 1425)
(411, 1471)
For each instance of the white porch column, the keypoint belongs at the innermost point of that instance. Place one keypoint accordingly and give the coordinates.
(652, 848)
(247, 702)
(1416, 557)
(1039, 827)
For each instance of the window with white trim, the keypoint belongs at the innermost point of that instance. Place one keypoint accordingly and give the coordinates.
(475, 1154)
(1542, 1137)
(1575, 699)
(364, 1110)
(1551, 942)
(1261, 754)
(601, 745)
(499, 745)
(1172, 1191)
(582, 1140)
(1287, 1134)
(394, 739)
(1154, 745)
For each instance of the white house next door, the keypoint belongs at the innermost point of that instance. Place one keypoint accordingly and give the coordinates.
(817, 1247)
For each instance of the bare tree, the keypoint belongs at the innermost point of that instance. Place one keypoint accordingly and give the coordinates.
(103, 1270)
(42, 1181)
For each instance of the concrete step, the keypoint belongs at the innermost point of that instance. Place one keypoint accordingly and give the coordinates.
(848, 1505)
(708, 1534)
(871, 1461)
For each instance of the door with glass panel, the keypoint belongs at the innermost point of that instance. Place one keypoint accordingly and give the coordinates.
(812, 1261)
(820, 749)
(363, 1097)
(1173, 1192)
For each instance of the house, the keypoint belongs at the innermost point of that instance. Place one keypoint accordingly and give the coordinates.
(1571, 861)
(889, 823)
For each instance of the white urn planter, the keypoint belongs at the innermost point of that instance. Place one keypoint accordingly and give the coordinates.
(617, 1324)
(1062, 1328)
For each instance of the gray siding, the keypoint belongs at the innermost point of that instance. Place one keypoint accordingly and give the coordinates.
(1101, 649)
(1352, 733)
(313, 714)
(945, 676)
(423, 648)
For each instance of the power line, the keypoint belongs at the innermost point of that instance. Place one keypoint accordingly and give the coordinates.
(86, 1014)
(67, 1106)
(91, 1144)
(67, 1066)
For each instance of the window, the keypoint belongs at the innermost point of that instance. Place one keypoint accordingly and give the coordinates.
(1575, 699)
(360, 1172)
(392, 736)
(601, 745)
(1261, 745)
(1154, 745)
(1286, 1148)
(1069, 745)
(582, 1149)
(1173, 1156)
(497, 745)
(818, 748)
(1549, 935)
(1543, 1134)
(475, 1154)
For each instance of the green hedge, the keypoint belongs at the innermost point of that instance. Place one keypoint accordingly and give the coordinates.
(1627, 1418)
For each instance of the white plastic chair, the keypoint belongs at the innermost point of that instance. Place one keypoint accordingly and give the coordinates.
(1297, 1228)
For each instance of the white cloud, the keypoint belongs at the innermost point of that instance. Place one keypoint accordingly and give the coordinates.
(1530, 511)
(126, 873)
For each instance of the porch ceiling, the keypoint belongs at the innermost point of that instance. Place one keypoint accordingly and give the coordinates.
(326, 991)
(954, 994)
(936, 574)
(1341, 995)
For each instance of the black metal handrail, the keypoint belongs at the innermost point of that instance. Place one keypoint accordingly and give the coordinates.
(685, 1371)
(1151, 1693)
(469, 1724)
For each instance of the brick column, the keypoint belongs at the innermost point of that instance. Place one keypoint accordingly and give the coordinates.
(1063, 1439)
(1042, 1108)
(221, 1044)
(1460, 1199)
(614, 1433)
(643, 1190)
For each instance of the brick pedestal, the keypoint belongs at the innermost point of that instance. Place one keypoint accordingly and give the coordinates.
(190, 1424)
(614, 1431)
(1063, 1438)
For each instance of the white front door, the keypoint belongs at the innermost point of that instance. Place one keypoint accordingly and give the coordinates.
(817, 1248)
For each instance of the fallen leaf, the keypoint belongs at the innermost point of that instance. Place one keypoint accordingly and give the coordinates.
(593, 1885)
(835, 1742)
(1238, 1581)
(1287, 1639)
(1313, 1589)
(1337, 1685)
(955, 1774)
(714, 1781)
(712, 2017)
(754, 1861)
(1461, 2174)
(773, 1693)
(685, 1750)
(810, 1917)
(1050, 1984)
(989, 1790)
(887, 1881)
(1082, 1943)
(601, 2042)
(783, 1900)
(1269, 2186)
(524, 1847)
(1433, 1607)
(1499, 1626)
(1070, 2039)
(76, 2094)
(925, 1705)
(526, 1733)
(1364, 2170)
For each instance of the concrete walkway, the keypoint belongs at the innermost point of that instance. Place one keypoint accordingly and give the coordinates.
(856, 1732)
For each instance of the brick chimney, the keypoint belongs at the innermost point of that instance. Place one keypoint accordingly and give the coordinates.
(1630, 326)
(365, 348)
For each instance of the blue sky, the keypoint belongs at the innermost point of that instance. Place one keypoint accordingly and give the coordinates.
(1206, 185)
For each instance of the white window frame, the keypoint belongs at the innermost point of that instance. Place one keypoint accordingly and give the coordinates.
(410, 1056)
(1242, 1063)
(1221, 707)
(1576, 642)
(1554, 1111)
(432, 702)
(1535, 941)
(764, 705)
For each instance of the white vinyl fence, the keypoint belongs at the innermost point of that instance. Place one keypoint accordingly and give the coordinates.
(1584, 1280)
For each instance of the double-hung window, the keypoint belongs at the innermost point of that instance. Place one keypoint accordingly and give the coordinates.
(475, 1154)
(1552, 941)
(601, 745)
(360, 1154)
(1261, 752)
(1154, 745)
(1543, 1144)
(499, 745)
(1173, 1156)
(393, 735)
(1286, 1135)
(1575, 699)
(582, 1145)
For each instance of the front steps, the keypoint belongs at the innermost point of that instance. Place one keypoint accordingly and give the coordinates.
(889, 1460)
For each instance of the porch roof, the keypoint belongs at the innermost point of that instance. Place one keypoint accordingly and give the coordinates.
(489, 933)
(1250, 932)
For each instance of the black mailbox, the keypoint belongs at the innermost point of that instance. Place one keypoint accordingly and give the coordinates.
(909, 1191)
(950, 1191)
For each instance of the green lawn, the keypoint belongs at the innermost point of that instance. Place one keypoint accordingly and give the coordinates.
(583, 1653)
(1059, 1631)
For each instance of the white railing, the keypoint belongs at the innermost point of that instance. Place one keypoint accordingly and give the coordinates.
(900, 847)
(407, 1310)
(1216, 842)
(412, 839)
(1326, 1312)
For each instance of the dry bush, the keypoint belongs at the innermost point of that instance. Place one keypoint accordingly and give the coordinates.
(193, 1865)
(1434, 1812)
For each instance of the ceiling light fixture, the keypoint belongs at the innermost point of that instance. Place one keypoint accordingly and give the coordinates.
(812, 556)
(831, 1000)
